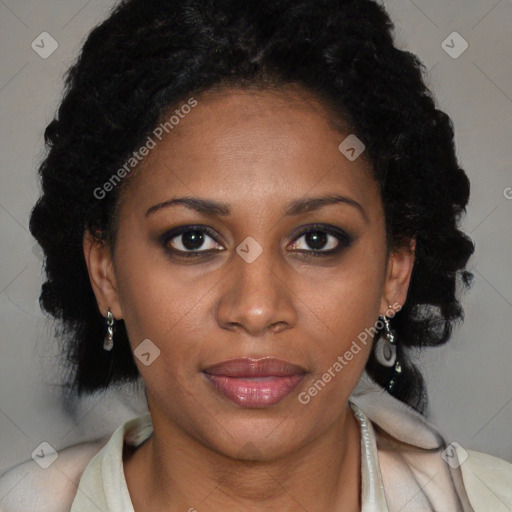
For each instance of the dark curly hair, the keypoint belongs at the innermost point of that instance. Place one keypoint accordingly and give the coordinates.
(150, 55)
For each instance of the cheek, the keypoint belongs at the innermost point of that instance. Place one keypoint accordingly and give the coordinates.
(347, 307)
(350, 306)
(158, 301)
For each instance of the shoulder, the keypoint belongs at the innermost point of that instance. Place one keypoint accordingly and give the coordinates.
(28, 487)
(487, 479)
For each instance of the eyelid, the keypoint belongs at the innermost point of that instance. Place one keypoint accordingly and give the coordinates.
(166, 237)
(319, 226)
(344, 239)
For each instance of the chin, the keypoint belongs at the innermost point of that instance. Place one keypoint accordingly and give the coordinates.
(257, 439)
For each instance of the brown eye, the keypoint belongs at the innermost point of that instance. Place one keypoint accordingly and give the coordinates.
(190, 240)
(322, 240)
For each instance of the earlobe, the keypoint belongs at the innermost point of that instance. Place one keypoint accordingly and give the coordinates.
(399, 271)
(101, 275)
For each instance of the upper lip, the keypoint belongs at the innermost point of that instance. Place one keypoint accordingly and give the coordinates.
(251, 367)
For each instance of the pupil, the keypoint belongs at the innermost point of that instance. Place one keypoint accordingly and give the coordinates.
(193, 239)
(316, 239)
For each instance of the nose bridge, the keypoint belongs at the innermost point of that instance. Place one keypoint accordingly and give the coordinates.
(256, 267)
(257, 257)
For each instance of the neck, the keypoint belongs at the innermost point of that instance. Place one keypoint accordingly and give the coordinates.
(184, 474)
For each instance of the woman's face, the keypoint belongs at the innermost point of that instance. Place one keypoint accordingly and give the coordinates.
(269, 273)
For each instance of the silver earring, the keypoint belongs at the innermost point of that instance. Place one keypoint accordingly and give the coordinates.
(108, 342)
(385, 348)
(396, 372)
(385, 352)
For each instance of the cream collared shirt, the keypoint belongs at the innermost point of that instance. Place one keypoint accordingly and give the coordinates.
(406, 466)
(488, 479)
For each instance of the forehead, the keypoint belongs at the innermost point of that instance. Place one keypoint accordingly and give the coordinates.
(252, 146)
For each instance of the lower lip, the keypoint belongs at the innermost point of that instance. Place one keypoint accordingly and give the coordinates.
(255, 393)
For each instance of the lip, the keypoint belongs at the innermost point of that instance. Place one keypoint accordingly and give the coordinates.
(255, 383)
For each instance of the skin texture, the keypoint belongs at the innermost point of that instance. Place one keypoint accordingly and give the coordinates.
(256, 151)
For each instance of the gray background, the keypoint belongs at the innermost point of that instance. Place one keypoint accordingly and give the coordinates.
(469, 380)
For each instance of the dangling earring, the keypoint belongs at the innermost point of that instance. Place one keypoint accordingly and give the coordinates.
(385, 348)
(385, 352)
(108, 342)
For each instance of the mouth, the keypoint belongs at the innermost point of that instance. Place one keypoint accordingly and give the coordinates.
(255, 383)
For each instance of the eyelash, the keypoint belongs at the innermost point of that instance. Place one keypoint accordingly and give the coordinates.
(345, 240)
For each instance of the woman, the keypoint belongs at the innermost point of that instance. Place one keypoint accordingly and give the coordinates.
(254, 207)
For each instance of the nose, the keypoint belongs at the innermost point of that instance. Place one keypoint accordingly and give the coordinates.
(256, 298)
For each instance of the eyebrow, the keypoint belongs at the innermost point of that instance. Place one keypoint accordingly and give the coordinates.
(213, 208)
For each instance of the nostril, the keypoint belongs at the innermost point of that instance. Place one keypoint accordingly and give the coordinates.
(277, 327)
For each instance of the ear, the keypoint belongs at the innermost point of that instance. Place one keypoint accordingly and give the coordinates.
(398, 277)
(101, 274)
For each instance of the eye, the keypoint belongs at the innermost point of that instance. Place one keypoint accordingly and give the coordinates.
(197, 240)
(187, 240)
(322, 240)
